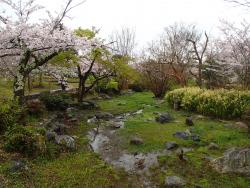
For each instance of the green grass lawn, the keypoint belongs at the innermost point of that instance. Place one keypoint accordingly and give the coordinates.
(155, 135)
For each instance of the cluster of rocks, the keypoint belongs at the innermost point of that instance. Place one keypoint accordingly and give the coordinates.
(58, 126)
(187, 135)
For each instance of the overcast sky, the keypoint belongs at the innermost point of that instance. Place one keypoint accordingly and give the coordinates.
(149, 17)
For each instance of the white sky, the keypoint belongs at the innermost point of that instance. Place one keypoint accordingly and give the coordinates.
(149, 17)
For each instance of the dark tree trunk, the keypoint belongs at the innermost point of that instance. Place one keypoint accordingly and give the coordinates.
(200, 74)
(81, 88)
(63, 87)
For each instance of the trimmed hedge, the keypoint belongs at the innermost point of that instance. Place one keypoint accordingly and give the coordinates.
(219, 103)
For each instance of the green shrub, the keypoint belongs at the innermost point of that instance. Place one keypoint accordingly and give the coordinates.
(218, 103)
(25, 140)
(56, 101)
(9, 114)
(107, 86)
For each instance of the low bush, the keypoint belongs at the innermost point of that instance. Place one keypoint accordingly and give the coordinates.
(26, 140)
(56, 101)
(107, 86)
(219, 103)
(9, 114)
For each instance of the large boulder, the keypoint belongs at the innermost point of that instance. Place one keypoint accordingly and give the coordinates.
(174, 182)
(235, 160)
(164, 118)
(66, 141)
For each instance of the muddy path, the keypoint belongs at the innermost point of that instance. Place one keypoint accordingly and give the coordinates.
(106, 141)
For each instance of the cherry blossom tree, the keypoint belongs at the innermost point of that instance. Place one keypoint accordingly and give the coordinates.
(94, 64)
(97, 65)
(236, 49)
(27, 45)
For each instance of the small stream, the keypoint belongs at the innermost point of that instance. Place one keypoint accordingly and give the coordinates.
(106, 142)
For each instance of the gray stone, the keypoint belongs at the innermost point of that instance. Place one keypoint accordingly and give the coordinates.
(104, 116)
(213, 146)
(182, 135)
(171, 145)
(174, 182)
(189, 121)
(18, 166)
(235, 160)
(164, 118)
(136, 141)
(67, 141)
